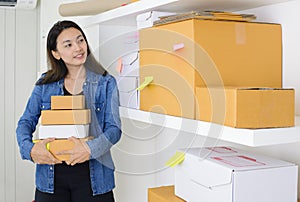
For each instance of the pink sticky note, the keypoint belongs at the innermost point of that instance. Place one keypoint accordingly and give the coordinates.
(119, 66)
(178, 46)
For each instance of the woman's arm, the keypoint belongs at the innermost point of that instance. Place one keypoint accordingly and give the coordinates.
(111, 133)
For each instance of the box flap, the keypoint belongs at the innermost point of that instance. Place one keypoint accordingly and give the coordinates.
(196, 169)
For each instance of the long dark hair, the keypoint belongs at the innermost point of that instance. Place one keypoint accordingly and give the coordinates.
(58, 69)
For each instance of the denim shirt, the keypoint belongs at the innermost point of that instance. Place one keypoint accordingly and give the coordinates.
(102, 98)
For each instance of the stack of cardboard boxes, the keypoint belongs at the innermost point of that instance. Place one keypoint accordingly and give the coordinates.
(228, 72)
(67, 117)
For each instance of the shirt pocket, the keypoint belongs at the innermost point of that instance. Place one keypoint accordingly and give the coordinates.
(46, 106)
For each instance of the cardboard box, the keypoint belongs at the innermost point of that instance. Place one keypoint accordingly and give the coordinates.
(62, 145)
(207, 53)
(68, 102)
(163, 194)
(145, 20)
(246, 107)
(65, 117)
(129, 96)
(229, 175)
(63, 131)
(171, 91)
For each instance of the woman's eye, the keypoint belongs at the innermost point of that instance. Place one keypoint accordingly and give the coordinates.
(81, 40)
(68, 45)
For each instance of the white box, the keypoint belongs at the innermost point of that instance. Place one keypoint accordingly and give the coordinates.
(224, 174)
(129, 96)
(116, 47)
(63, 131)
(130, 65)
(145, 20)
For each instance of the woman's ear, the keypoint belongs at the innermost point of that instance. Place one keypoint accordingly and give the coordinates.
(55, 54)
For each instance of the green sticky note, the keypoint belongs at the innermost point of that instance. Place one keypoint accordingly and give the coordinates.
(146, 82)
(176, 159)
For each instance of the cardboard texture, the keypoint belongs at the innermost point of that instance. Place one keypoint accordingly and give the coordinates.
(63, 131)
(68, 102)
(246, 107)
(65, 117)
(222, 175)
(163, 194)
(206, 53)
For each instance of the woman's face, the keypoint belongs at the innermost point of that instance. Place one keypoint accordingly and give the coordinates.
(71, 48)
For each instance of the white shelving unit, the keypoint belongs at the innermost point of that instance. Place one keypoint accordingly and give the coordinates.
(248, 137)
(125, 15)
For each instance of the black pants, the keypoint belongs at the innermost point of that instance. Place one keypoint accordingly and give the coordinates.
(72, 184)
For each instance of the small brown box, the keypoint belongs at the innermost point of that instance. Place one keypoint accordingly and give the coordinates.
(163, 194)
(62, 145)
(58, 117)
(68, 102)
(246, 107)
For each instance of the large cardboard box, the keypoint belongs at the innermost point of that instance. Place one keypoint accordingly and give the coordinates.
(63, 131)
(68, 102)
(224, 174)
(65, 117)
(246, 107)
(207, 53)
(163, 194)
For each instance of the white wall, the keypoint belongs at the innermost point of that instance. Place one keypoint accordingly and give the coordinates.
(18, 65)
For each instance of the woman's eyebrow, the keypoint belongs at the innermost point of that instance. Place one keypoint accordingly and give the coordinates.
(68, 40)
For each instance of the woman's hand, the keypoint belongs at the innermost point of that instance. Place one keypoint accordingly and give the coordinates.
(40, 155)
(79, 154)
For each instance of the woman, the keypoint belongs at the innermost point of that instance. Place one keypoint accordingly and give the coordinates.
(89, 173)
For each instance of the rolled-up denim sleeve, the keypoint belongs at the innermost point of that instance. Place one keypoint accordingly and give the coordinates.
(111, 132)
(27, 123)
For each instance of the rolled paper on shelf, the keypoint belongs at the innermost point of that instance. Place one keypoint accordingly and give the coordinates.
(90, 7)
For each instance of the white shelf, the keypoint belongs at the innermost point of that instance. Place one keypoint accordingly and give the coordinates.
(248, 137)
(125, 15)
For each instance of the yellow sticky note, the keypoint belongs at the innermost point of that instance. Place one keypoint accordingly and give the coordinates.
(146, 82)
(176, 159)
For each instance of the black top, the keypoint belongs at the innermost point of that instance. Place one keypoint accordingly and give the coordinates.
(66, 92)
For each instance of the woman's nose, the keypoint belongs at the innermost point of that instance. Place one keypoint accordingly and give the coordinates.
(77, 46)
